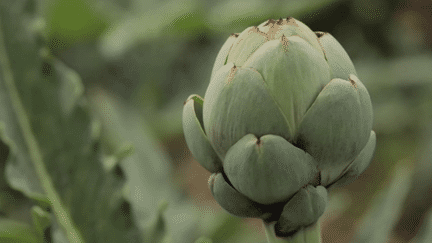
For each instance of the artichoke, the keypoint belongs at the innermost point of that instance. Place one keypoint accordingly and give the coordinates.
(284, 118)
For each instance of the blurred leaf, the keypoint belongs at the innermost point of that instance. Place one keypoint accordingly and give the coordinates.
(221, 227)
(13, 231)
(377, 223)
(425, 233)
(41, 219)
(400, 90)
(150, 24)
(149, 170)
(419, 199)
(239, 14)
(4, 154)
(189, 18)
(55, 154)
(72, 21)
(203, 240)
(156, 231)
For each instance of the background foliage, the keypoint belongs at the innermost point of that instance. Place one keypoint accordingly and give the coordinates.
(91, 94)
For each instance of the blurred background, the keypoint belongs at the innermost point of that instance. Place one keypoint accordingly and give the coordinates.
(140, 59)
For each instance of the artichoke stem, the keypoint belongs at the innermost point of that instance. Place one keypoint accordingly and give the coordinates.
(308, 235)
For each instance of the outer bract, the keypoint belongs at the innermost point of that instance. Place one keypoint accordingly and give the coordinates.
(284, 118)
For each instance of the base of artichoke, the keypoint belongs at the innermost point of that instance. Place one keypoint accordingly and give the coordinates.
(310, 234)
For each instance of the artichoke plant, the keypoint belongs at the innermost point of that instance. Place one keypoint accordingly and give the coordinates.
(283, 119)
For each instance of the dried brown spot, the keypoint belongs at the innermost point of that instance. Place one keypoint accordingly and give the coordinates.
(231, 74)
(285, 42)
(353, 83)
(257, 30)
(235, 35)
(270, 21)
(211, 180)
(258, 142)
(319, 34)
(292, 21)
(280, 21)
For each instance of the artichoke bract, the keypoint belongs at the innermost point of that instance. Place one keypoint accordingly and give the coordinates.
(284, 118)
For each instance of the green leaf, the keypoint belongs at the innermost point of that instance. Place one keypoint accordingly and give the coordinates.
(149, 170)
(235, 14)
(425, 232)
(70, 23)
(13, 231)
(41, 219)
(55, 157)
(156, 231)
(168, 19)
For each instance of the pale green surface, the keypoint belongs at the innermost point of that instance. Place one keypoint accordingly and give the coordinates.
(340, 63)
(268, 169)
(195, 136)
(336, 127)
(232, 200)
(232, 108)
(360, 164)
(294, 73)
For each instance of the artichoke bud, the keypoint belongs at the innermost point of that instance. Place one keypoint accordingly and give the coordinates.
(284, 117)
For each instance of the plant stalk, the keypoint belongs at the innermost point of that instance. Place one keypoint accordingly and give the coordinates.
(309, 235)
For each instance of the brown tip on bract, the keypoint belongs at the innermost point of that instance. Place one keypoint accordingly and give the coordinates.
(231, 74)
(353, 83)
(235, 35)
(284, 41)
(289, 18)
(258, 142)
(211, 180)
(319, 34)
(270, 21)
(280, 21)
(291, 21)
(186, 101)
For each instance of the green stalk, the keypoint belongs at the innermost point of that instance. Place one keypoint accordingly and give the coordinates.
(309, 235)
(62, 215)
